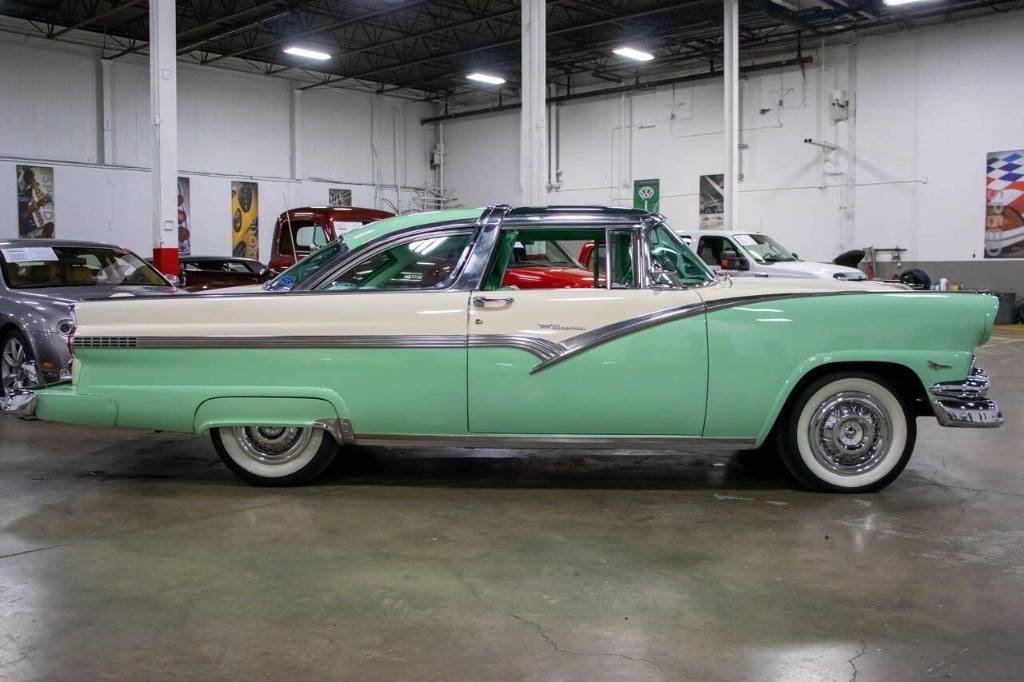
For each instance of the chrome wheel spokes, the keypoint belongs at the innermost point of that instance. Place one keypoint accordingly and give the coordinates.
(12, 361)
(850, 433)
(272, 444)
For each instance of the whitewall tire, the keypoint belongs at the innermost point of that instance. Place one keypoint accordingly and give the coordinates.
(848, 432)
(274, 455)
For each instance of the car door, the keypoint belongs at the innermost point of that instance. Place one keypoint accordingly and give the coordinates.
(398, 327)
(625, 357)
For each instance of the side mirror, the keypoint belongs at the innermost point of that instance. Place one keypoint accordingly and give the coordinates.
(661, 277)
(796, 256)
(173, 279)
(735, 263)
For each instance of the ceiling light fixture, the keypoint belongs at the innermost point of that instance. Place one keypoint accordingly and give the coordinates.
(900, 2)
(632, 53)
(307, 53)
(486, 78)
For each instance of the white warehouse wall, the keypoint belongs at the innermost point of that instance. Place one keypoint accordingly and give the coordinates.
(230, 127)
(926, 105)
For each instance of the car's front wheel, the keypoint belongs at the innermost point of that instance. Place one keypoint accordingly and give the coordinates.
(848, 432)
(274, 455)
(14, 353)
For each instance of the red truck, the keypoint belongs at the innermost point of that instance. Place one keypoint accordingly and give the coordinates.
(300, 231)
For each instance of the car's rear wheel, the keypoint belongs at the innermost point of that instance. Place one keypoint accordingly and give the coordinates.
(848, 432)
(274, 455)
(14, 353)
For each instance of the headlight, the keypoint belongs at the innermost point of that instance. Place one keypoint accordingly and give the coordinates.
(66, 327)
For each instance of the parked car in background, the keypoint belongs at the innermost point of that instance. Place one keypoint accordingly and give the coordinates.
(41, 280)
(200, 273)
(411, 338)
(300, 231)
(751, 254)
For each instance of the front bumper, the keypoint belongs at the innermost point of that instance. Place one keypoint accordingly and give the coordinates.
(964, 403)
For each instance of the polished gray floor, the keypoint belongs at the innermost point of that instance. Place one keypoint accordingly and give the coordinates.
(128, 555)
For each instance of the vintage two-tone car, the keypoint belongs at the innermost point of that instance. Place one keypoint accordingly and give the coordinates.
(412, 339)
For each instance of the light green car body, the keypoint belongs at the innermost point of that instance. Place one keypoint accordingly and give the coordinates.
(724, 374)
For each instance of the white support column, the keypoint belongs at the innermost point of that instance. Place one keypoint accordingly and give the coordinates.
(296, 134)
(163, 91)
(107, 134)
(731, 84)
(533, 131)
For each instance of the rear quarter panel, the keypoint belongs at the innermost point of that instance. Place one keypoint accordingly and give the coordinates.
(759, 351)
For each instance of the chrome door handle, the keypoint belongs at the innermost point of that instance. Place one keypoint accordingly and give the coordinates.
(481, 301)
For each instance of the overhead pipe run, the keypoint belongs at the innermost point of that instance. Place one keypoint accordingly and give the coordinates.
(604, 92)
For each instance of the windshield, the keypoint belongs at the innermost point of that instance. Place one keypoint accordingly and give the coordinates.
(674, 257)
(76, 266)
(764, 249)
(307, 266)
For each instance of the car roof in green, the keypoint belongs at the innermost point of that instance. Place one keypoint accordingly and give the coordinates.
(362, 235)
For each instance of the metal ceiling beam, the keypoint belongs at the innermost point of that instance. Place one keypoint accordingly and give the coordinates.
(321, 29)
(515, 41)
(96, 17)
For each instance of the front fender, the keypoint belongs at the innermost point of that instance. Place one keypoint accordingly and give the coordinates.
(929, 367)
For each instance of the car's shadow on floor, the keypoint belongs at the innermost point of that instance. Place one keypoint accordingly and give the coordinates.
(633, 469)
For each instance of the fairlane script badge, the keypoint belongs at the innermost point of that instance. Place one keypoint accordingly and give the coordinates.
(561, 327)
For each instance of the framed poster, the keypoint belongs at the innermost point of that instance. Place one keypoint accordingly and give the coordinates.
(712, 206)
(184, 217)
(245, 210)
(339, 198)
(1004, 205)
(35, 202)
(647, 194)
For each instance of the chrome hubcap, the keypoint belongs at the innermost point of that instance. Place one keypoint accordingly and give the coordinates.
(850, 433)
(272, 444)
(12, 361)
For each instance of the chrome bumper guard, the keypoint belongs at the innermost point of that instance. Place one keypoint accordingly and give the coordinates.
(963, 403)
(21, 402)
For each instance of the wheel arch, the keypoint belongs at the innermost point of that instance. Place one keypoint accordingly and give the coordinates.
(273, 411)
(903, 377)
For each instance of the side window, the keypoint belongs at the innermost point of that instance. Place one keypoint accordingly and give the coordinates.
(543, 259)
(713, 249)
(674, 260)
(426, 263)
(310, 237)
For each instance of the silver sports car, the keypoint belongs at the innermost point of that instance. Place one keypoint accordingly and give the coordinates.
(41, 280)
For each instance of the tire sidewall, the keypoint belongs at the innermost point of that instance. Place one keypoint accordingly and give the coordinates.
(315, 457)
(797, 453)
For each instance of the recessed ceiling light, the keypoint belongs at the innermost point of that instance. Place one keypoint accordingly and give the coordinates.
(486, 78)
(900, 2)
(632, 53)
(307, 53)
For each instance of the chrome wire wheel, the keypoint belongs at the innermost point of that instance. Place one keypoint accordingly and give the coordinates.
(273, 454)
(272, 445)
(849, 433)
(12, 360)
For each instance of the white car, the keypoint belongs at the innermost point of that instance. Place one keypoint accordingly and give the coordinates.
(750, 254)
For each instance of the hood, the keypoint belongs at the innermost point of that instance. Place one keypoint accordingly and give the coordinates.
(802, 268)
(75, 294)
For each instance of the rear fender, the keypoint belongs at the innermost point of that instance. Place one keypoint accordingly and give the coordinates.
(273, 411)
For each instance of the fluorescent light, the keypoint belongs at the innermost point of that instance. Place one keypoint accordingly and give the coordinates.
(307, 53)
(486, 78)
(900, 2)
(631, 53)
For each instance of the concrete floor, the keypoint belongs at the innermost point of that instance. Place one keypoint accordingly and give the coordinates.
(127, 555)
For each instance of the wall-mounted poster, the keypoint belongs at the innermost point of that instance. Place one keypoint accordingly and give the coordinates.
(1004, 205)
(712, 207)
(647, 194)
(184, 217)
(339, 198)
(35, 202)
(245, 211)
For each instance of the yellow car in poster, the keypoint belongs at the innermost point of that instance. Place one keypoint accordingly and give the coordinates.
(245, 239)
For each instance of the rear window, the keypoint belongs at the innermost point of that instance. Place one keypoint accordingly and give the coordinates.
(74, 266)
